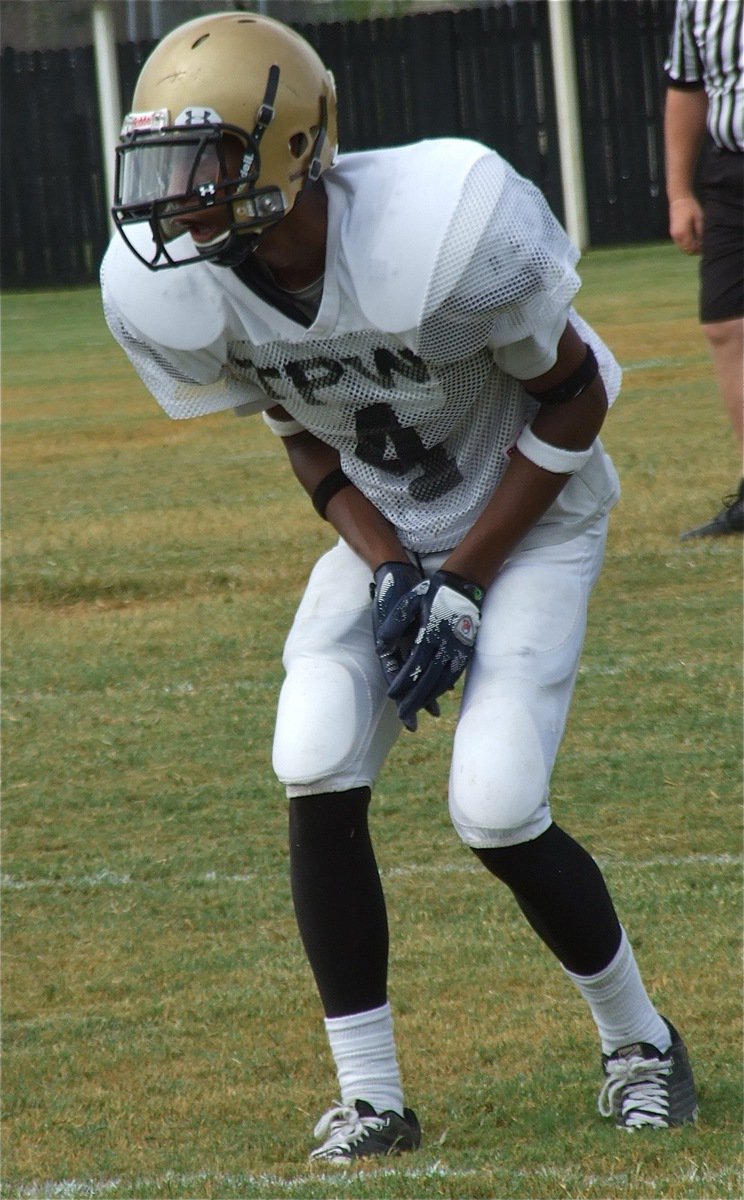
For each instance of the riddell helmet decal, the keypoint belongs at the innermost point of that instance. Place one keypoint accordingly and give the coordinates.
(145, 122)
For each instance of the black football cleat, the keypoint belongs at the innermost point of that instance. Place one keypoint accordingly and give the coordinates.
(644, 1086)
(348, 1133)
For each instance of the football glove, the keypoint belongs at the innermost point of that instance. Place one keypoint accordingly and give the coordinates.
(392, 581)
(442, 615)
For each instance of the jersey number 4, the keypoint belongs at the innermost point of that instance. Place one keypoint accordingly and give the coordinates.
(386, 444)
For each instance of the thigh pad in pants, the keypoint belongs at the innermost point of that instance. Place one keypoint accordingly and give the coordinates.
(335, 725)
(518, 691)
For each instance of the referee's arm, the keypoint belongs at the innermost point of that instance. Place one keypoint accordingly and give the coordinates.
(685, 114)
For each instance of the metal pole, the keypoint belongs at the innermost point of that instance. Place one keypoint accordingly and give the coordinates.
(569, 122)
(156, 24)
(132, 21)
(109, 104)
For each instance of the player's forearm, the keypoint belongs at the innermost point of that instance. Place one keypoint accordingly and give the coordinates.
(684, 133)
(363, 527)
(360, 524)
(523, 496)
(526, 490)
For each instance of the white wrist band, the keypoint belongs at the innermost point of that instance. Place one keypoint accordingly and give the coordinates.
(283, 428)
(549, 457)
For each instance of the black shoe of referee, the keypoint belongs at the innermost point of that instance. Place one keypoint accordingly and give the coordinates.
(729, 520)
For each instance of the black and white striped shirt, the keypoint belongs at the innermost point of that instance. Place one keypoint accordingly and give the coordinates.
(707, 50)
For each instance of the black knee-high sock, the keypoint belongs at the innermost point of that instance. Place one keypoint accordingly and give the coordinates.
(563, 895)
(338, 899)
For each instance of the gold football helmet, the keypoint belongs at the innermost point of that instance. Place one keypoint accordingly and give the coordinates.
(233, 114)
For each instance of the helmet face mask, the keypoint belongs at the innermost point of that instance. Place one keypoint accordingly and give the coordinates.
(175, 176)
(233, 115)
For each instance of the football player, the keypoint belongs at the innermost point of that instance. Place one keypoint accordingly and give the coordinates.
(403, 320)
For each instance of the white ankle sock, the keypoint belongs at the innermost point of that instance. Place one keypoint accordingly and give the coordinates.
(620, 1005)
(363, 1048)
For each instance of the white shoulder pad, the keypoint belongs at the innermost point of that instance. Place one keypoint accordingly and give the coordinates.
(180, 308)
(399, 205)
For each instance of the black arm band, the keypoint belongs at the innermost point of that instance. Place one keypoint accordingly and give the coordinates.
(569, 389)
(326, 490)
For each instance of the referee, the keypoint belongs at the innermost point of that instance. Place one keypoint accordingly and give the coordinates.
(705, 106)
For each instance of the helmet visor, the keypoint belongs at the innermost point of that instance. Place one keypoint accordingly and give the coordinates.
(175, 173)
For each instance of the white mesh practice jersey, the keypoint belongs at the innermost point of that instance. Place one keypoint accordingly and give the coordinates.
(447, 280)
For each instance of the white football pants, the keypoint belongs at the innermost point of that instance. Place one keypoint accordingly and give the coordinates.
(335, 725)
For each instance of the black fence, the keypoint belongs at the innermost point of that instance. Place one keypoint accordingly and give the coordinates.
(620, 51)
(483, 73)
(52, 186)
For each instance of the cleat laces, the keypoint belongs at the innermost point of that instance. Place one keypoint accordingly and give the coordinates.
(341, 1128)
(637, 1088)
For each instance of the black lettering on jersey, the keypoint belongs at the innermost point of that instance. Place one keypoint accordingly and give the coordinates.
(388, 364)
(384, 443)
(312, 373)
(262, 374)
(265, 374)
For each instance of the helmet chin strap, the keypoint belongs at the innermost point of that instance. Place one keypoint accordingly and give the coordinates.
(235, 249)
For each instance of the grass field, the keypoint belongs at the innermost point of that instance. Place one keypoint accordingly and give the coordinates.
(162, 1035)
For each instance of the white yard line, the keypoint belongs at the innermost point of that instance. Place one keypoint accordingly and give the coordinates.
(115, 879)
(188, 1184)
(70, 1189)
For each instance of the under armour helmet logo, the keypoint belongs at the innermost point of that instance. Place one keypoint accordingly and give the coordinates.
(198, 116)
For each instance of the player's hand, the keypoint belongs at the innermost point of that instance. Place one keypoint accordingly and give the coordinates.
(392, 581)
(443, 614)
